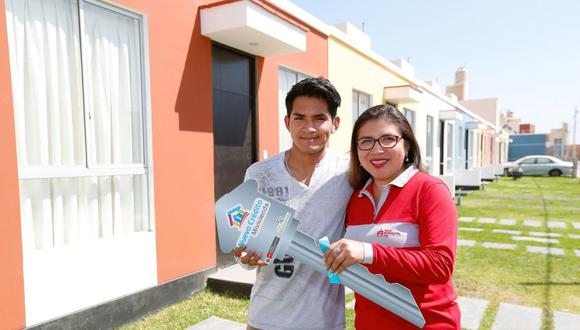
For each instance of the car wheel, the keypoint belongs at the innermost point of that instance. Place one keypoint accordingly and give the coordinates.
(555, 173)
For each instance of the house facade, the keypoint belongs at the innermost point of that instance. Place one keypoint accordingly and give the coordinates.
(121, 123)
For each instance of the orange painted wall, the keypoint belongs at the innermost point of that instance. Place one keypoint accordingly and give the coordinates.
(181, 110)
(180, 62)
(181, 106)
(11, 276)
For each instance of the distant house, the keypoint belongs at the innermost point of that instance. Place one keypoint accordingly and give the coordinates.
(558, 142)
(527, 128)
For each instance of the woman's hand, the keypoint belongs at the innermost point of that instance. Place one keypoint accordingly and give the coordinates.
(342, 254)
(251, 258)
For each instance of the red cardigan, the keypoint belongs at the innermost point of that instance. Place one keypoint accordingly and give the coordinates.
(425, 270)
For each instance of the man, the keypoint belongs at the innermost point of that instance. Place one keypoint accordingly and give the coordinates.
(311, 179)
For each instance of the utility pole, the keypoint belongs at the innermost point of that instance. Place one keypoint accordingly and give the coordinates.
(574, 134)
(575, 167)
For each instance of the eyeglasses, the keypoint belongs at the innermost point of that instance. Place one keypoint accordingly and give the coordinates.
(385, 141)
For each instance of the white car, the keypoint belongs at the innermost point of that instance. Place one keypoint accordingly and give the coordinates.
(540, 165)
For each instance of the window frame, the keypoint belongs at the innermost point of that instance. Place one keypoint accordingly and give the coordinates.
(429, 142)
(543, 160)
(92, 170)
(357, 112)
(449, 147)
(413, 122)
(529, 161)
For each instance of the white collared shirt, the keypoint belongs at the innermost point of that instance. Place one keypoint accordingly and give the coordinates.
(287, 294)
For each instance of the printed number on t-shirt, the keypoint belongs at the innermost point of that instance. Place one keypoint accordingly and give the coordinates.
(285, 267)
(276, 192)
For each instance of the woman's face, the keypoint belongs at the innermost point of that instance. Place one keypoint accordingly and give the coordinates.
(383, 164)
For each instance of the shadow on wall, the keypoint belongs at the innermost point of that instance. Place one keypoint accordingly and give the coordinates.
(193, 103)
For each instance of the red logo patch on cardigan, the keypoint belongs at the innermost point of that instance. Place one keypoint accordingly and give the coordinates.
(388, 232)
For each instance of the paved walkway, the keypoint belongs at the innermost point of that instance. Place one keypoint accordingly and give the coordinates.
(531, 233)
(508, 316)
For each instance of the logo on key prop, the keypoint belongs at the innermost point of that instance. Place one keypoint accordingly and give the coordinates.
(236, 216)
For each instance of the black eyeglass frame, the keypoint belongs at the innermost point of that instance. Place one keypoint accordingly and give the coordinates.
(398, 138)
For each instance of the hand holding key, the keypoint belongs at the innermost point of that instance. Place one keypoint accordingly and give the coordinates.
(342, 254)
(247, 219)
(250, 258)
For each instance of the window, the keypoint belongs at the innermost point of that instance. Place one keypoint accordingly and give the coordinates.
(78, 84)
(286, 79)
(449, 147)
(460, 147)
(529, 161)
(559, 148)
(360, 102)
(544, 161)
(410, 115)
(429, 144)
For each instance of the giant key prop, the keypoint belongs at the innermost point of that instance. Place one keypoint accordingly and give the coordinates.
(246, 217)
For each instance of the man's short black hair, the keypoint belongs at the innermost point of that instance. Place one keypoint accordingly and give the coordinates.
(314, 87)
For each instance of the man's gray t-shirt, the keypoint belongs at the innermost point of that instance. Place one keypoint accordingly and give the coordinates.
(287, 294)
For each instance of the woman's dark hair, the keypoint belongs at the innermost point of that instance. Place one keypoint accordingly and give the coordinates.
(314, 87)
(357, 175)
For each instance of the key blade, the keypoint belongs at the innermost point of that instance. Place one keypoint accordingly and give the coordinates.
(305, 249)
(392, 296)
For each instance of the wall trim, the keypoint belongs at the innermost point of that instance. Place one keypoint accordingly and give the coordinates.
(132, 307)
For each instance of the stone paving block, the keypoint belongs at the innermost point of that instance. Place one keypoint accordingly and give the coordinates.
(472, 311)
(216, 323)
(486, 220)
(507, 222)
(536, 239)
(465, 242)
(517, 317)
(350, 305)
(576, 225)
(545, 250)
(466, 219)
(507, 231)
(566, 321)
(470, 229)
(542, 234)
(235, 273)
(574, 236)
(532, 223)
(557, 224)
(501, 246)
(577, 252)
(347, 290)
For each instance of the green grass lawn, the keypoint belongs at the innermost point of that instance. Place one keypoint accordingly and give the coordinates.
(513, 276)
(201, 306)
(547, 281)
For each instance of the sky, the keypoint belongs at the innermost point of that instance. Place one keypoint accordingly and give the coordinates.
(524, 52)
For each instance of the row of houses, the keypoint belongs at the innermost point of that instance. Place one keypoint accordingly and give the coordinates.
(122, 121)
(525, 141)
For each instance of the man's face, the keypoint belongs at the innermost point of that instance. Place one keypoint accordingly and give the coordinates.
(310, 124)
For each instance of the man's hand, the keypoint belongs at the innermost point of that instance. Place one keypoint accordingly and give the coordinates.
(250, 258)
(342, 254)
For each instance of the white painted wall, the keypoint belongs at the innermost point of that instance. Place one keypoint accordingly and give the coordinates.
(63, 280)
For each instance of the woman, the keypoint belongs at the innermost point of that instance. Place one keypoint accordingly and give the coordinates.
(400, 223)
